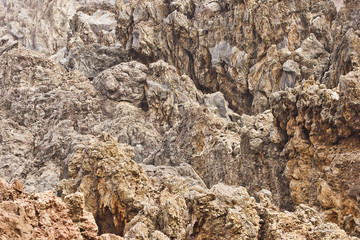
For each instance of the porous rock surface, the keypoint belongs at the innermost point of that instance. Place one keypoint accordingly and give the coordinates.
(43, 215)
(153, 109)
(320, 129)
(236, 47)
(189, 119)
(148, 202)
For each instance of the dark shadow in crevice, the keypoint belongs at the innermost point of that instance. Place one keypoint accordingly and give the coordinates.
(104, 220)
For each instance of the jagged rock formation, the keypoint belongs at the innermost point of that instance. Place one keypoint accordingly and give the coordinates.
(148, 202)
(223, 46)
(135, 202)
(320, 129)
(43, 215)
(167, 116)
(162, 115)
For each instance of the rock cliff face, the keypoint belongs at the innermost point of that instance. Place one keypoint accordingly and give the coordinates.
(321, 135)
(175, 119)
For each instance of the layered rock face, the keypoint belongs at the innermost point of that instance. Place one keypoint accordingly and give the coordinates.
(180, 119)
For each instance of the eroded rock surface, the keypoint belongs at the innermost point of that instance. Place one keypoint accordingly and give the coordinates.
(236, 47)
(43, 215)
(320, 129)
(148, 202)
(163, 118)
(153, 109)
(137, 200)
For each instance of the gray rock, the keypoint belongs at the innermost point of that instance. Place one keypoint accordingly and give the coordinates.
(124, 82)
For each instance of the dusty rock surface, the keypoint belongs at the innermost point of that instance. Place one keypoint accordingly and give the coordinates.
(164, 119)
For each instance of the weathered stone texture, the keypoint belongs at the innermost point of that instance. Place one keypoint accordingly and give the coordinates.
(319, 128)
(163, 118)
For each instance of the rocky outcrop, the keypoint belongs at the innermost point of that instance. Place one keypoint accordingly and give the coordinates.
(43, 215)
(148, 202)
(78, 34)
(304, 223)
(236, 47)
(346, 48)
(227, 53)
(163, 118)
(159, 113)
(47, 107)
(138, 200)
(39, 25)
(44, 109)
(199, 129)
(320, 129)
